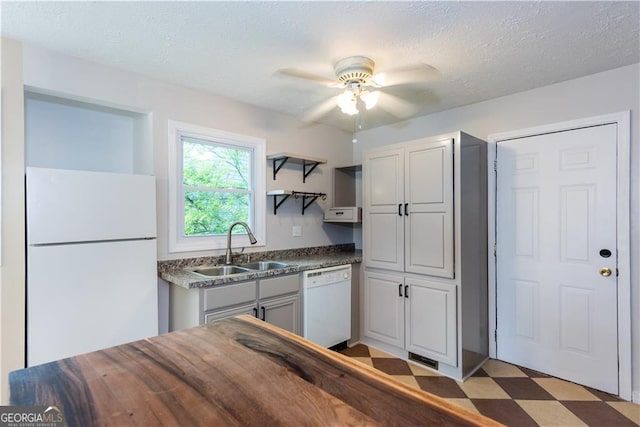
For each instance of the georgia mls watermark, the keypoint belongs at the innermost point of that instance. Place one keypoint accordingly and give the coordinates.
(31, 416)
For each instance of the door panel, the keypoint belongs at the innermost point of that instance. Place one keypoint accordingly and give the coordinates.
(384, 308)
(383, 189)
(384, 249)
(283, 312)
(429, 213)
(383, 219)
(62, 206)
(428, 251)
(555, 211)
(576, 206)
(87, 297)
(431, 320)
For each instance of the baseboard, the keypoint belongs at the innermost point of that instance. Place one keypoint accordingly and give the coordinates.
(635, 396)
(353, 343)
(470, 374)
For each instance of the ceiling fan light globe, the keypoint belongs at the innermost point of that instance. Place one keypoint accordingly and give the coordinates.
(349, 109)
(370, 99)
(347, 102)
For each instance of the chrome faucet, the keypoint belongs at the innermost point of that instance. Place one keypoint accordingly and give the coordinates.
(252, 239)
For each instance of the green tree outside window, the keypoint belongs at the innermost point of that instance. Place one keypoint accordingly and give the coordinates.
(216, 181)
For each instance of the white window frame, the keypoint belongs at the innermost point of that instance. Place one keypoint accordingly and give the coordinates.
(178, 242)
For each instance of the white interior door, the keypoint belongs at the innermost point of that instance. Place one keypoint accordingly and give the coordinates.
(556, 236)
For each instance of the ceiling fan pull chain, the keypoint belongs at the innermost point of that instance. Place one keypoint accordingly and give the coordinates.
(357, 125)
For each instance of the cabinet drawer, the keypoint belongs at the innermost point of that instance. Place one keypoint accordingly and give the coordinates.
(227, 295)
(347, 214)
(250, 309)
(279, 286)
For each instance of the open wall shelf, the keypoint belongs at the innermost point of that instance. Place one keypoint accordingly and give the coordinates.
(283, 195)
(308, 163)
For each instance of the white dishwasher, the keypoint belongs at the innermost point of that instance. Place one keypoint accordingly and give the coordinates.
(326, 294)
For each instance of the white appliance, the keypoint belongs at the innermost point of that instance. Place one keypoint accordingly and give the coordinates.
(327, 305)
(91, 261)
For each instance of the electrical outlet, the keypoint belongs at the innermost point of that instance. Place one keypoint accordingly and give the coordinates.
(296, 231)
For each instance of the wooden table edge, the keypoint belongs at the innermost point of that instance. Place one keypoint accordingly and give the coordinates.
(426, 397)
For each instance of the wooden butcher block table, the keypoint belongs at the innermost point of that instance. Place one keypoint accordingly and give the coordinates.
(238, 371)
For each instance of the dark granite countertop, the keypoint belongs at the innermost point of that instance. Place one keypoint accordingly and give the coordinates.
(177, 273)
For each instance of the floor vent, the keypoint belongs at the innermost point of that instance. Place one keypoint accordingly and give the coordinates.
(433, 364)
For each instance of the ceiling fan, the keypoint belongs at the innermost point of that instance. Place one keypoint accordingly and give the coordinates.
(361, 88)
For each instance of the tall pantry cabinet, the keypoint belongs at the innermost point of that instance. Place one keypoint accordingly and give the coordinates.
(425, 251)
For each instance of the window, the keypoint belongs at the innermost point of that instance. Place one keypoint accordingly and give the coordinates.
(216, 179)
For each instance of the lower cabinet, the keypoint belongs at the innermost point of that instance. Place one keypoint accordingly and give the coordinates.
(384, 308)
(283, 312)
(275, 300)
(413, 314)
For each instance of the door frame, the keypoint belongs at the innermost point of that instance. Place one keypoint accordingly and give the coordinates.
(622, 119)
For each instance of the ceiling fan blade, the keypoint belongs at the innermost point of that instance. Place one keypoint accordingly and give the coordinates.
(320, 110)
(303, 75)
(396, 106)
(417, 73)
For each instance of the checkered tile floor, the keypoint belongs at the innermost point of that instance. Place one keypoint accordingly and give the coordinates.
(510, 394)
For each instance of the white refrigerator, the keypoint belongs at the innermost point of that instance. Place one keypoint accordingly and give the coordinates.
(91, 261)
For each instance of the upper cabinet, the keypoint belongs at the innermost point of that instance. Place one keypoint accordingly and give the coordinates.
(63, 133)
(383, 186)
(409, 208)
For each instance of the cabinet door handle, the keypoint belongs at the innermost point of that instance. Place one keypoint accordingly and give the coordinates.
(399, 209)
(264, 315)
(255, 312)
(406, 209)
(400, 289)
(406, 291)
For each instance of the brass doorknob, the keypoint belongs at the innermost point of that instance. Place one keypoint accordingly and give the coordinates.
(605, 272)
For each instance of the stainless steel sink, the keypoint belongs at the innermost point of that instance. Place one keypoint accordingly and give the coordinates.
(226, 270)
(218, 270)
(264, 265)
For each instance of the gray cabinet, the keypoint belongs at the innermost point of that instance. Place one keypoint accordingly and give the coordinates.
(430, 319)
(384, 307)
(279, 302)
(425, 251)
(283, 312)
(416, 315)
(275, 300)
(409, 208)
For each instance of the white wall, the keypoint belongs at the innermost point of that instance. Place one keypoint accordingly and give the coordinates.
(67, 136)
(608, 92)
(12, 272)
(48, 71)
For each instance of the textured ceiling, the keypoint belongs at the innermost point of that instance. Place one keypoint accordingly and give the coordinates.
(481, 49)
